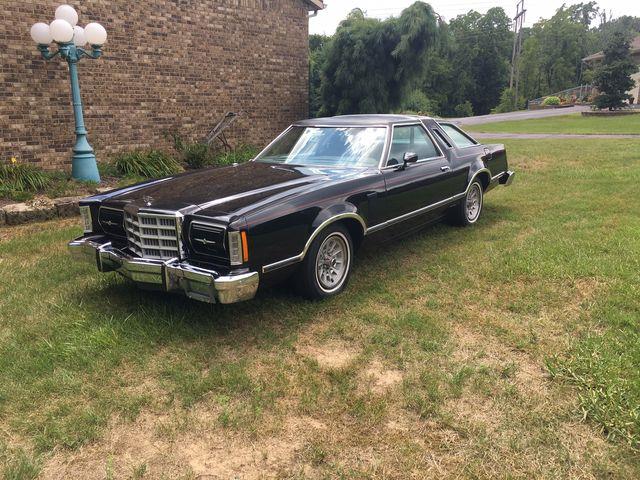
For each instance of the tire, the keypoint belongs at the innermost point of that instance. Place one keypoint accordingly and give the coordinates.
(318, 278)
(469, 210)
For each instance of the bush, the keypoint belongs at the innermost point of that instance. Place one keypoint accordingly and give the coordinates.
(196, 155)
(22, 177)
(464, 109)
(506, 104)
(241, 154)
(147, 164)
(551, 101)
(417, 101)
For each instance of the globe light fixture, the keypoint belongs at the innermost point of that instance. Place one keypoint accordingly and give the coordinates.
(70, 38)
(96, 34)
(68, 13)
(41, 33)
(79, 37)
(61, 31)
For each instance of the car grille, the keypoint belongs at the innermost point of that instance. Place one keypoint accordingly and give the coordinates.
(152, 235)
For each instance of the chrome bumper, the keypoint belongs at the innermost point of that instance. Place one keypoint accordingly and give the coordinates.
(171, 275)
(507, 178)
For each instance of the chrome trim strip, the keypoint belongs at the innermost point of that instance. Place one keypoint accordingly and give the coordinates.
(414, 213)
(298, 258)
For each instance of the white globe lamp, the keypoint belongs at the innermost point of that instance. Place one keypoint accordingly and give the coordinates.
(68, 13)
(96, 34)
(41, 33)
(61, 31)
(79, 37)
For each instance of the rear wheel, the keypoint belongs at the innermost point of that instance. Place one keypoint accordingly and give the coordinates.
(327, 265)
(469, 210)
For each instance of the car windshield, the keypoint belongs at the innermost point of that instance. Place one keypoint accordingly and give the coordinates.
(328, 146)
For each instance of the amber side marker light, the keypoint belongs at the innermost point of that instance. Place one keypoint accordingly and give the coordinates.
(245, 246)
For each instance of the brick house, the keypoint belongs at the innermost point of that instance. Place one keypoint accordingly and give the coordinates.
(169, 66)
(596, 58)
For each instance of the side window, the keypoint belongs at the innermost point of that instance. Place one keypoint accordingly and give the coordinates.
(411, 138)
(460, 138)
(442, 138)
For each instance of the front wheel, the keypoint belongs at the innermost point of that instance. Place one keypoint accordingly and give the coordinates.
(469, 210)
(327, 265)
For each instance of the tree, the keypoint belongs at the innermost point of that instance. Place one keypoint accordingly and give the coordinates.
(613, 77)
(370, 64)
(317, 51)
(480, 59)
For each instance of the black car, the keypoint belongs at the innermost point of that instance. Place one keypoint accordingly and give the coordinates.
(301, 207)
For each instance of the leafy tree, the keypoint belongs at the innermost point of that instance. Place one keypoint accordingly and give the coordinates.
(613, 77)
(358, 72)
(480, 58)
(370, 64)
(317, 51)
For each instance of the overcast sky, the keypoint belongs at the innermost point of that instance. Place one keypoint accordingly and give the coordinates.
(336, 10)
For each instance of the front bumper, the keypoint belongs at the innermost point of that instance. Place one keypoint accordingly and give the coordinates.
(171, 275)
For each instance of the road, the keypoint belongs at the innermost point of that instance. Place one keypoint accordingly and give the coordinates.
(532, 136)
(520, 115)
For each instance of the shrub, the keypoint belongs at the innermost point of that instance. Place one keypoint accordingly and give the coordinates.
(240, 154)
(147, 164)
(506, 104)
(196, 155)
(22, 177)
(418, 102)
(464, 109)
(551, 101)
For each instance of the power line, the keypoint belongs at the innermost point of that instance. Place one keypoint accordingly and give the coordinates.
(517, 49)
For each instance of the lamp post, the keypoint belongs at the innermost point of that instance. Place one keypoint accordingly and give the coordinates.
(71, 39)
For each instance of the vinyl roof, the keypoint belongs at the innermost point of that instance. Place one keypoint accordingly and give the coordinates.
(357, 120)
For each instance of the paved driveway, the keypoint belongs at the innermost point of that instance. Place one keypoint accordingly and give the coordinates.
(521, 115)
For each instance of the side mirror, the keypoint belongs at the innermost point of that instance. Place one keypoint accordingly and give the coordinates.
(409, 157)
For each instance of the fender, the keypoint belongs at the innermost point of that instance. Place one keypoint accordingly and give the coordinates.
(325, 218)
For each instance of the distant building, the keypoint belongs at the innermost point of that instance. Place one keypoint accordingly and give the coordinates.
(168, 67)
(596, 58)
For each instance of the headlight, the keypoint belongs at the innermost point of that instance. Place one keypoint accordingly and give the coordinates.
(87, 221)
(238, 248)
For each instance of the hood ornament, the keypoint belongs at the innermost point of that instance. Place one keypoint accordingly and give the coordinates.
(148, 200)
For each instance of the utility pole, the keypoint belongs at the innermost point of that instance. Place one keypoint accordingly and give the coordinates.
(517, 50)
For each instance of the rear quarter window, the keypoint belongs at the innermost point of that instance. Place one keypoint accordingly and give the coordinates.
(459, 138)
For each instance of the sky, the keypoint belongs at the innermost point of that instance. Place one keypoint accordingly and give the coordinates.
(328, 19)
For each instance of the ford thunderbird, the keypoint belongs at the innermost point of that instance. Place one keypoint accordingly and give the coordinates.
(299, 209)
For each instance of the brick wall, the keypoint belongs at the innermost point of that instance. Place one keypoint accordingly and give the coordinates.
(168, 66)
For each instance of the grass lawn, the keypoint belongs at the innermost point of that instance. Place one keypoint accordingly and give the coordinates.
(574, 123)
(506, 350)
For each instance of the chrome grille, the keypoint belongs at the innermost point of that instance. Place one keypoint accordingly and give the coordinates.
(152, 235)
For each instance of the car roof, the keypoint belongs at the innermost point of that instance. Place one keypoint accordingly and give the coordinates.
(365, 120)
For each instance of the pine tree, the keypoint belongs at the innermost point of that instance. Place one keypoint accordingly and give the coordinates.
(613, 77)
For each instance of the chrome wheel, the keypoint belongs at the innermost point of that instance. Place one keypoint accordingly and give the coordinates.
(473, 203)
(332, 262)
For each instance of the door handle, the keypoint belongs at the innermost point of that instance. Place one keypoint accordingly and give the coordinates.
(446, 168)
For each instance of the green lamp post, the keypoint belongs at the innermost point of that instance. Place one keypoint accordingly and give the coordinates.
(71, 39)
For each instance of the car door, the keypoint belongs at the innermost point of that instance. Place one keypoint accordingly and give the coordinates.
(412, 191)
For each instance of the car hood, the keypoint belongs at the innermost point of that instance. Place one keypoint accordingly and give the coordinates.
(226, 190)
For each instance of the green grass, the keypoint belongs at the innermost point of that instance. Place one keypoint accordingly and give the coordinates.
(506, 350)
(574, 123)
